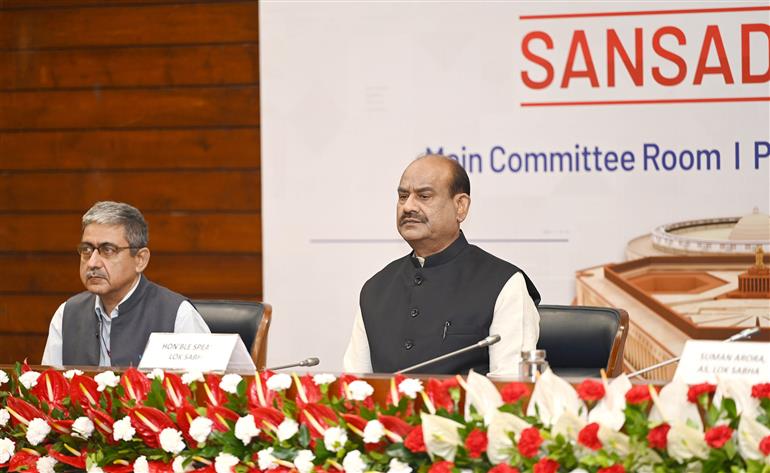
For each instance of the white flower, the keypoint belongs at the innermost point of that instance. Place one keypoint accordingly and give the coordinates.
(410, 387)
(3, 377)
(334, 439)
(69, 374)
(192, 376)
(82, 427)
(141, 465)
(359, 390)
(373, 431)
(156, 373)
(279, 382)
(200, 428)
(396, 466)
(123, 430)
(287, 429)
(229, 383)
(7, 448)
(4, 416)
(685, 442)
(442, 436)
(106, 379)
(37, 430)
(353, 463)
(246, 429)
(304, 461)
(95, 469)
(178, 465)
(266, 459)
(45, 464)
(29, 379)
(224, 462)
(324, 378)
(171, 440)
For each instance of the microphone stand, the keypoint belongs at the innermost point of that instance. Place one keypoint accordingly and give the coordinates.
(306, 362)
(490, 340)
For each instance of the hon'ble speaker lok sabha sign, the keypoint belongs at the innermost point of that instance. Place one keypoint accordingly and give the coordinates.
(582, 125)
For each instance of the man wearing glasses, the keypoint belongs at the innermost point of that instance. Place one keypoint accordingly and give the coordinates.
(110, 322)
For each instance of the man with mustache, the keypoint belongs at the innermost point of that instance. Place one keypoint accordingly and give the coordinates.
(446, 294)
(110, 322)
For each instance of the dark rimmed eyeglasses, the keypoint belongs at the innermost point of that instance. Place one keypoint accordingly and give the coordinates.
(105, 250)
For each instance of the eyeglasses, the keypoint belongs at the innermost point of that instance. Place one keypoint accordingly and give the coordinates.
(106, 250)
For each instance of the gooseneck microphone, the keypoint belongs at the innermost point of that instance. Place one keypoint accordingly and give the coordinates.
(490, 340)
(306, 362)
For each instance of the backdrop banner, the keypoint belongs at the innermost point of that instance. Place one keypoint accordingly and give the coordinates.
(582, 126)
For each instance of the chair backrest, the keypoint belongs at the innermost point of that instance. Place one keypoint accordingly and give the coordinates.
(581, 340)
(250, 320)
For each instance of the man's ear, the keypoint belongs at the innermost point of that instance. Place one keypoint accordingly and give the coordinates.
(462, 204)
(142, 259)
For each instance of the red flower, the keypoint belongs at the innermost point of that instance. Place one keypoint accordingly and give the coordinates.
(761, 391)
(51, 387)
(612, 469)
(658, 437)
(136, 384)
(590, 390)
(588, 436)
(638, 394)
(546, 465)
(414, 440)
(764, 446)
(476, 443)
(439, 392)
(502, 468)
(717, 436)
(697, 389)
(441, 467)
(512, 392)
(530, 441)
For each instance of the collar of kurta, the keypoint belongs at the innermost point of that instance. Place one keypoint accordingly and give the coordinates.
(444, 256)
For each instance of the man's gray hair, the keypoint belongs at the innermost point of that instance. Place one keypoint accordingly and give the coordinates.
(119, 213)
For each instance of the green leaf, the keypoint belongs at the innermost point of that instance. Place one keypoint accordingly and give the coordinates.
(304, 436)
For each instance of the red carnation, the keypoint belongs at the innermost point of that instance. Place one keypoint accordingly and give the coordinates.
(588, 436)
(590, 390)
(414, 440)
(717, 436)
(638, 394)
(658, 437)
(529, 442)
(476, 443)
(761, 391)
(512, 392)
(697, 389)
(764, 446)
(503, 468)
(546, 465)
(612, 469)
(441, 467)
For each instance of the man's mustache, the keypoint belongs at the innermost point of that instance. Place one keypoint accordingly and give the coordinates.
(412, 216)
(94, 273)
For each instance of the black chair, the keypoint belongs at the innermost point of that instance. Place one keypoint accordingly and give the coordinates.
(250, 320)
(579, 340)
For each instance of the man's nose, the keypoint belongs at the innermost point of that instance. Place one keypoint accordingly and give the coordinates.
(95, 261)
(410, 204)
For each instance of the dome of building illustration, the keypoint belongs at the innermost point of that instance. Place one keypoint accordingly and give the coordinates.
(753, 227)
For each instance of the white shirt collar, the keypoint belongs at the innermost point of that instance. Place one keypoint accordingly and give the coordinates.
(99, 308)
(420, 260)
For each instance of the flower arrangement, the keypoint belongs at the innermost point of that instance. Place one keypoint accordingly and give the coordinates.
(163, 422)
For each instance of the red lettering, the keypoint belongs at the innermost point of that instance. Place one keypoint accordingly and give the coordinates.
(671, 56)
(713, 36)
(615, 46)
(579, 41)
(746, 76)
(541, 61)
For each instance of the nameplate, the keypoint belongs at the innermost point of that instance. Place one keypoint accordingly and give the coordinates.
(196, 351)
(702, 361)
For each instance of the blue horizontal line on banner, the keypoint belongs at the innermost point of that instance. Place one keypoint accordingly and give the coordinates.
(332, 241)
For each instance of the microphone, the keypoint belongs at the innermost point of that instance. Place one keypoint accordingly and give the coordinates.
(743, 334)
(312, 361)
(490, 340)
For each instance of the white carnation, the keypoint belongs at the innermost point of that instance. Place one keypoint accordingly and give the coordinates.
(229, 383)
(141, 465)
(396, 466)
(266, 459)
(156, 373)
(224, 462)
(3, 377)
(29, 379)
(106, 379)
(246, 429)
(192, 376)
(69, 374)
(200, 428)
(359, 390)
(279, 382)
(123, 430)
(37, 430)
(334, 439)
(95, 469)
(4, 416)
(171, 440)
(410, 387)
(82, 427)
(373, 431)
(304, 461)
(353, 463)
(287, 429)
(7, 448)
(45, 464)
(324, 378)
(178, 465)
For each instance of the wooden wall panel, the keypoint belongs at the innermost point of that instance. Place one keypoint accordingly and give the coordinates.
(152, 102)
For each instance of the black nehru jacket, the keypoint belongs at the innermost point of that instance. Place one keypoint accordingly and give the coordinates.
(413, 313)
